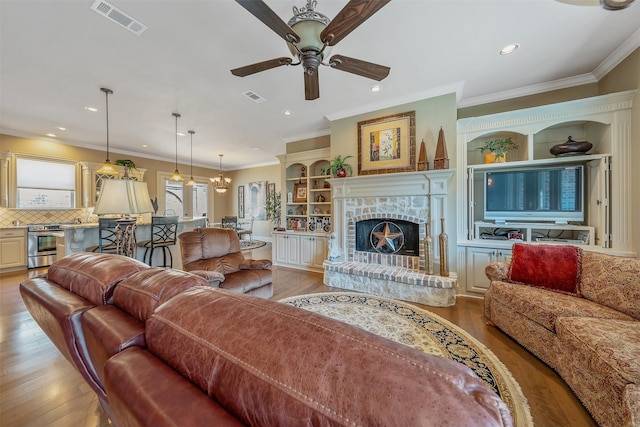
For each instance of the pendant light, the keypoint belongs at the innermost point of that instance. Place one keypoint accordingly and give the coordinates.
(191, 181)
(176, 174)
(107, 167)
(220, 183)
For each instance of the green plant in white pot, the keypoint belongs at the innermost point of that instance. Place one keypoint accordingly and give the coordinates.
(338, 167)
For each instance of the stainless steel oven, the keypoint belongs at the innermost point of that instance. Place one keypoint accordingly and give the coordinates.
(41, 244)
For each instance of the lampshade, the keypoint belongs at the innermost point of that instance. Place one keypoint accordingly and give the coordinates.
(107, 167)
(123, 196)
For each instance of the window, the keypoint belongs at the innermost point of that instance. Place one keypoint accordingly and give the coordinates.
(174, 198)
(200, 199)
(45, 184)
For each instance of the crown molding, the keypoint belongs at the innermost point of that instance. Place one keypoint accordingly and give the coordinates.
(406, 99)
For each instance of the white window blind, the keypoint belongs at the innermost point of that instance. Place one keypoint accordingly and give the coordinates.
(45, 184)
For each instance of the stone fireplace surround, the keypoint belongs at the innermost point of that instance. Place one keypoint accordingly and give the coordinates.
(410, 196)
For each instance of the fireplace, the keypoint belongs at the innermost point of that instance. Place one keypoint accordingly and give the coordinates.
(380, 223)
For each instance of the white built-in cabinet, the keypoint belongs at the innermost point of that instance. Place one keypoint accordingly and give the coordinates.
(306, 209)
(605, 121)
(299, 249)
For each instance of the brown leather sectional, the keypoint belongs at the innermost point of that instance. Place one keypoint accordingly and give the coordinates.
(161, 347)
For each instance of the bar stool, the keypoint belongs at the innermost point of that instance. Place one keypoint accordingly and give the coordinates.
(107, 236)
(163, 235)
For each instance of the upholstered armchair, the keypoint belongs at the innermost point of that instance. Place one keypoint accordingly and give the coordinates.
(214, 253)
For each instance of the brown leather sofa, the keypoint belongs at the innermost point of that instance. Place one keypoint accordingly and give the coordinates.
(163, 348)
(214, 253)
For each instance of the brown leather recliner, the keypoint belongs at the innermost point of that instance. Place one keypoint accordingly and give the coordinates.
(214, 253)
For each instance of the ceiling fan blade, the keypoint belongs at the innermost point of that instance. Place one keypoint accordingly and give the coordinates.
(311, 86)
(260, 66)
(260, 10)
(359, 67)
(349, 18)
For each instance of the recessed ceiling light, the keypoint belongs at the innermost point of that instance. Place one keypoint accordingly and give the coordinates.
(376, 87)
(61, 128)
(181, 134)
(287, 112)
(52, 135)
(145, 146)
(92, 109)
(509, 49)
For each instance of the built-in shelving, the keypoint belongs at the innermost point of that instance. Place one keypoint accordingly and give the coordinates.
(604, 121)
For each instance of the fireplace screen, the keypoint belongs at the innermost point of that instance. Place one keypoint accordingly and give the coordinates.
(388, 236)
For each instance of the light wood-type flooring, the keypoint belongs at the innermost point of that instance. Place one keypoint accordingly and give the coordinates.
(38, 387)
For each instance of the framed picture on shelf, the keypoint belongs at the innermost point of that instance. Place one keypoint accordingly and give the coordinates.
(299, 193)
(387, 144)
(241, 201)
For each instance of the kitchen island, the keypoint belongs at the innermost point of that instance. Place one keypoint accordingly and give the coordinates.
(77, 237)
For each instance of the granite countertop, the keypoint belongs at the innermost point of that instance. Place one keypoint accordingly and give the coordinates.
(87, 224)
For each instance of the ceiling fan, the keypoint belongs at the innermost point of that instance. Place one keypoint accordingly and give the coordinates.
(308, 33)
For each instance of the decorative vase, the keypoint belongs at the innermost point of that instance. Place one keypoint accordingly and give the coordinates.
(428, 252)
(494, 158)
(444, 251)
(571, 148)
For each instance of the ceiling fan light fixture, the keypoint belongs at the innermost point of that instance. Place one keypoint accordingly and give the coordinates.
(308, 24)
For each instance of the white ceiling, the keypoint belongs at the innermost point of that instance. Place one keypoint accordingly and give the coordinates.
(56, 54)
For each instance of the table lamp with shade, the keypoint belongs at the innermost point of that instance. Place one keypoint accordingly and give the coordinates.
(124, 197)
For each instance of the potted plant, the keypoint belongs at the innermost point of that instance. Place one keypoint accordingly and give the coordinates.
(272, 207)
(127, 164)
(338, 167)
(497, 150)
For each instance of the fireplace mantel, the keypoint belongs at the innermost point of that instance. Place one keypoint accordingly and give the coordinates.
(395, 184)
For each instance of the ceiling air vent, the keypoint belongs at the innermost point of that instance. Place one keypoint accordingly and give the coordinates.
(119, 17)
(254, 97)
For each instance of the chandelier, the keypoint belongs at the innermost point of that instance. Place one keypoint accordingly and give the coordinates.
(220, 183)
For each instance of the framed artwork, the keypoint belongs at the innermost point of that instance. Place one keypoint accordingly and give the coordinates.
(387, 144)
(299, 193)
(255, 200)
(271, 189)
(241, 201)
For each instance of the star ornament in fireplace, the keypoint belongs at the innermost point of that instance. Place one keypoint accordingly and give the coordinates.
(386, 238)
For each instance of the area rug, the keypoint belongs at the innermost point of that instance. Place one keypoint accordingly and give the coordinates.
(247, 245)
(422, 330)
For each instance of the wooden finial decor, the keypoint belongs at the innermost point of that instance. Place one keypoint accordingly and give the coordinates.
(423, 163)
(441, 160)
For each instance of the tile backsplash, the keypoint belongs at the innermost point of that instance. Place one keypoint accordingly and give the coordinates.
(8, 216)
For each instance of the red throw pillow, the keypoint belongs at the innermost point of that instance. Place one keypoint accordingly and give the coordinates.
(557, 268)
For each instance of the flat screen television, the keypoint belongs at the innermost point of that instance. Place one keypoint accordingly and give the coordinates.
(544, 194)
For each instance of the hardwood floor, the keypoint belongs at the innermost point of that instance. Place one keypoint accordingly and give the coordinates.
(38, 387)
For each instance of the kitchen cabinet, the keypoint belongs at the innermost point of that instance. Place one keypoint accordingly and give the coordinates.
(302, 250)
(13, 248)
